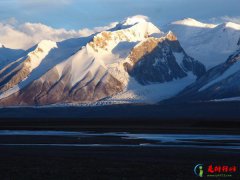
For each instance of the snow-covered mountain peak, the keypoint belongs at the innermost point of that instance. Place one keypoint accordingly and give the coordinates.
(142, 22)
(108, 40)
(171, 36)
(42, 49)
(139, 22)
(36, 56)
(47, 45)
(193, 23)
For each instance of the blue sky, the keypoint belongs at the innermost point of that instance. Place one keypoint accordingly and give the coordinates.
(77, 14)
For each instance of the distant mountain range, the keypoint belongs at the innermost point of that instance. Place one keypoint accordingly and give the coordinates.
(133, 62)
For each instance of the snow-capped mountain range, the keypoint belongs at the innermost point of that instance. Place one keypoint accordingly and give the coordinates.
(133, 62)
(212, 44)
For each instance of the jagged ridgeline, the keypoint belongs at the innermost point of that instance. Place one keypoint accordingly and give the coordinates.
(131, 56)
(134, 60)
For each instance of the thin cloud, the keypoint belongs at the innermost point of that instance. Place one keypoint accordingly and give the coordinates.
(24, 36)
(235, 19)
(223, 19)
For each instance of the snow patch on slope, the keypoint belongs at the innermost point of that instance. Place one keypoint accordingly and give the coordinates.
(10, 92)
(227, 99)
(232, 25)
(233, 69)
(79, 65)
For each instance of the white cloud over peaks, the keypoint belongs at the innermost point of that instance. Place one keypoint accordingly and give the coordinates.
(24, 36)
(146, 18)
(135, 19)
(235, 19)
(222, 19)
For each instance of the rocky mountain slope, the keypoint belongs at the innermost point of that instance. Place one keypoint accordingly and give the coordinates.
(8, 55)
(132, 57)
(218, 83)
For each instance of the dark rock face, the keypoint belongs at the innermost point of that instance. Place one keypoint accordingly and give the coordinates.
(194, 66)
(12, 74)
(225, 87)
(158, 66)
(154, 62)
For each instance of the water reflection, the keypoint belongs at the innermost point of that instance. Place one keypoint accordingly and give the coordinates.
(116, 139)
